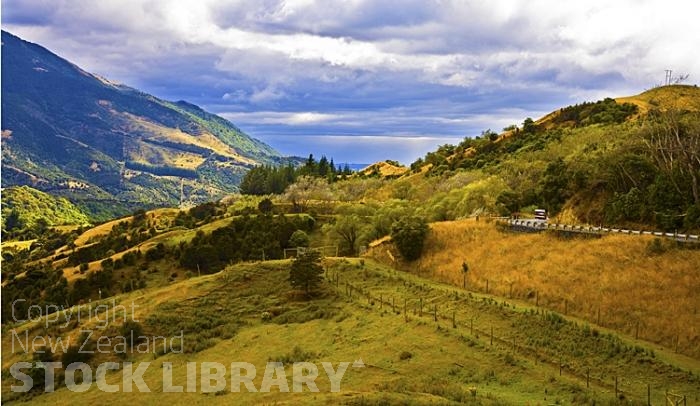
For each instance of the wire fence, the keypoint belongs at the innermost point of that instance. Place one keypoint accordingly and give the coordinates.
(447, 305)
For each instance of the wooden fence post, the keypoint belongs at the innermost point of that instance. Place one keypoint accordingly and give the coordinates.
(405, 314)
(648, 395)
(560, 366)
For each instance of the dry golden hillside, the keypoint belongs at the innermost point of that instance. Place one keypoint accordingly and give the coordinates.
(613, 281)
(383, 169)
(681, 97)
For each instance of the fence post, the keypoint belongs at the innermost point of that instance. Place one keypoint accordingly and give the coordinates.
(405, 315)
(560, 366)
(677, 339)
(648, 395)
(588, 377)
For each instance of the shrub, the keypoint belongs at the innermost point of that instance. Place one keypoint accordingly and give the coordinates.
(656, 247)
(408, 235)
(132, 330)
(266, 206)
(299, 239)
(107, 264)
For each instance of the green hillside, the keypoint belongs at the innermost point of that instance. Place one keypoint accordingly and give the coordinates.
(109, 148)
(459, 348)
(634, 161)
(26, 209)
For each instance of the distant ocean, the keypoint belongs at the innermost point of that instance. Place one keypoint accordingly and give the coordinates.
(354, 167)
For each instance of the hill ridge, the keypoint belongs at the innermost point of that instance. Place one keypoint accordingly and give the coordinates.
(62, 125)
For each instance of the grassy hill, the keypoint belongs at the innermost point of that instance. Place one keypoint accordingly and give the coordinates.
(606, 162)
(25, 207)
(409, 357)
(533, 336)
(626, 283)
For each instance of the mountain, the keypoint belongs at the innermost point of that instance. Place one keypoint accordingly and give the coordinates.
(108, 147)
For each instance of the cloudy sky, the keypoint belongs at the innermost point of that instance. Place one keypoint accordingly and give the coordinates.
(370, 80)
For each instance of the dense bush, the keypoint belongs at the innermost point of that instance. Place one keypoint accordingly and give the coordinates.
(245, 238)
(408, 235)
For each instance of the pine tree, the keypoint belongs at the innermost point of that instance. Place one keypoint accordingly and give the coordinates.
(306, 272)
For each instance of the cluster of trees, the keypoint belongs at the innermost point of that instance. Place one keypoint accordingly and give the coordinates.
(606, 111)
(28, 213)
(484, 150)
(246, 238)
(661, 183)
(38, 286)
(124, 235)
(265, 180)
(355, 225)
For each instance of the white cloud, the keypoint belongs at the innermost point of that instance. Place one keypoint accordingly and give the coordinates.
(276, 117)
(359, 67)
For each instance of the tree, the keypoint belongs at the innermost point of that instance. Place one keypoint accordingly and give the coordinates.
(13, 221)
(299, 239)
(266, 206)
(306, 272)
(674, 141)
(529, 126)
(308, 188)
(349, 228)
(408, 235)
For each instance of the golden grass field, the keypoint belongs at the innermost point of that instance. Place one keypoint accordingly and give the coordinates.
(656, 297)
